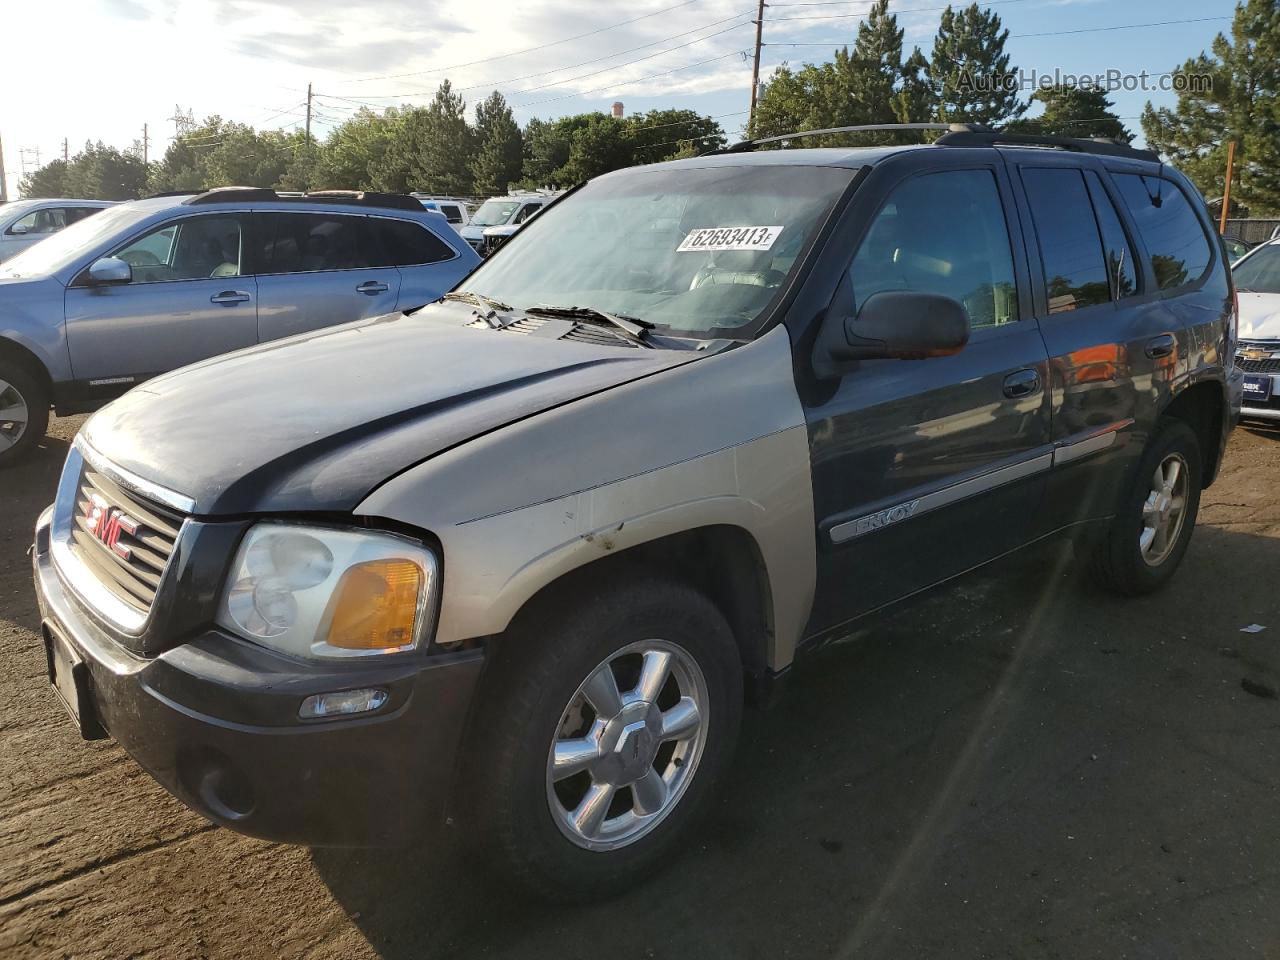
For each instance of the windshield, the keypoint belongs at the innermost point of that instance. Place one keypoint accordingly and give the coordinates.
(1260, 272)
(694, 250)
(51, 255)
(494, 212)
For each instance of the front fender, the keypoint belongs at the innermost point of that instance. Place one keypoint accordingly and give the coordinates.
(718, 442)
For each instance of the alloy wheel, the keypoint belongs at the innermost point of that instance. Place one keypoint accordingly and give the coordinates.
(1164, 510)
(14, 415)
(627, 745)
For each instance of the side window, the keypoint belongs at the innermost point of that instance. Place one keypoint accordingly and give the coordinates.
(196, 248)
(1075, 273)
(76, 214)
(406, 244)
(40, 222)
(451, 213)
(1120, 267)
(1175, 241)
(312, 242)
(942, 233)
(527, 211)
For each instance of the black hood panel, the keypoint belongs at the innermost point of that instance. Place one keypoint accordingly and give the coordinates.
(314, 423)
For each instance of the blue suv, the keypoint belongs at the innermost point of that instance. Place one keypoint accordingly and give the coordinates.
(155, 284)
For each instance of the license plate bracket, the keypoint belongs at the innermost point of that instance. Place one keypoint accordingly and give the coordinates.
(69, 676)
(1257, 388)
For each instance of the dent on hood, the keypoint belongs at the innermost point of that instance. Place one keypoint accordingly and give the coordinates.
(1260, 316)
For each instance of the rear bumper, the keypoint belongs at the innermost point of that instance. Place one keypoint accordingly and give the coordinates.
(1260, 413)
(215, 721)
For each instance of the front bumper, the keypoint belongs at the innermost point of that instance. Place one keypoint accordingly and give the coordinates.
(215, 721)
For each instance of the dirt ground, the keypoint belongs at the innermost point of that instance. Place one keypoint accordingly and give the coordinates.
(1019, 767)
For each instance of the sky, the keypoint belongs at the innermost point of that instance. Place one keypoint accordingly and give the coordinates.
(101, 69)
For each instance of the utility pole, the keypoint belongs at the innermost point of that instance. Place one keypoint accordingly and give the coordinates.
(66, 154)
(755, 67)
(4, 187)
(308, 114)
(1226, 194)
(146, 143)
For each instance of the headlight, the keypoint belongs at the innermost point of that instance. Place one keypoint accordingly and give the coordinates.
(323, 592)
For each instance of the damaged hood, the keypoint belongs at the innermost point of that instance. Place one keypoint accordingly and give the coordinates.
(1259, 316)
(316, 422)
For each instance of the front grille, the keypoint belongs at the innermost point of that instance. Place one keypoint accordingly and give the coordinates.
(1258, 366)
(122, 539)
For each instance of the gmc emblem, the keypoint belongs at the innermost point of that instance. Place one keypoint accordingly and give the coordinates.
(105, 523)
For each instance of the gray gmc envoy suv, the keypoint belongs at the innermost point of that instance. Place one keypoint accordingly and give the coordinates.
(516, 557)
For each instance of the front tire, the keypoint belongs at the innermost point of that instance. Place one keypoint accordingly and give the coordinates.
(24, 412)
(603, 730)
(1147, 539)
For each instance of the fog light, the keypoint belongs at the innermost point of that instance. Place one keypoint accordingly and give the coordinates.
(342, 703)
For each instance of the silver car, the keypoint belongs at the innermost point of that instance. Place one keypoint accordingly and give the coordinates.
(26, 222)
(156, 284)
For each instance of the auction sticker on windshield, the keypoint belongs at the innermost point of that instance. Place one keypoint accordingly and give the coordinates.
(715, 239)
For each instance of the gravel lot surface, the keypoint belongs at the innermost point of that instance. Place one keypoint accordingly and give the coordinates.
(1018, 767)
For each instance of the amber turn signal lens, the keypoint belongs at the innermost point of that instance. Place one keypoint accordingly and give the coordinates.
(375, 606)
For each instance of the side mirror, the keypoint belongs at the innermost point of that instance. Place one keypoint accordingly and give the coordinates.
(905, 325)
(110, 270)
(18, 229)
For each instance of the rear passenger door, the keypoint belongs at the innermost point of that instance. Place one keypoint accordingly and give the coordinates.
(319, 269)
(1113, 339)
(429, 263)
(925, 468)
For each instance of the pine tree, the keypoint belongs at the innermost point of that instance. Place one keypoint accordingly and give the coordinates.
(970, 72)
(1074, 112)
(432, 148)
(915, 102)
(1241, 103)
(499, 146)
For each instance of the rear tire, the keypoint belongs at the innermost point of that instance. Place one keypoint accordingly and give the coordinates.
(574, 798)
(1147, 539)
(24, 412)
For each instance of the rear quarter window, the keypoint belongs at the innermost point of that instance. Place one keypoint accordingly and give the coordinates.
(1075, 271)
(405, 244)
(1176, 242)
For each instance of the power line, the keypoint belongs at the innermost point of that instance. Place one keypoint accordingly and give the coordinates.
(584, 63)
(1019, 36)
(831, 3)
(519, 53)
(627, 83)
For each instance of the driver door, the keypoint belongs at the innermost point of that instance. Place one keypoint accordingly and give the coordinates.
(189, 299)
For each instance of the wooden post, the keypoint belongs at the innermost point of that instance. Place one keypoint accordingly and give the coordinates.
(1226, 193)
(755, 67)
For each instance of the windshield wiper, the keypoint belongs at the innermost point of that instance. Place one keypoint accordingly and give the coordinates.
(477, 300)
(635, 329)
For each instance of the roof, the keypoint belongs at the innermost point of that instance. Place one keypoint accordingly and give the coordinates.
(851, 157)
(35, 203)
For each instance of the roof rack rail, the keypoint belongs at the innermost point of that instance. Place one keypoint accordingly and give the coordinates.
(366, 198)
(746, 146)
(360, 198)
(1104, 146)
(966, 135)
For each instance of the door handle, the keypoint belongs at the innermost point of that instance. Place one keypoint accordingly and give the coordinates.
(1161, 346)
(229, 296)
(1021, 384)
(372, 286)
